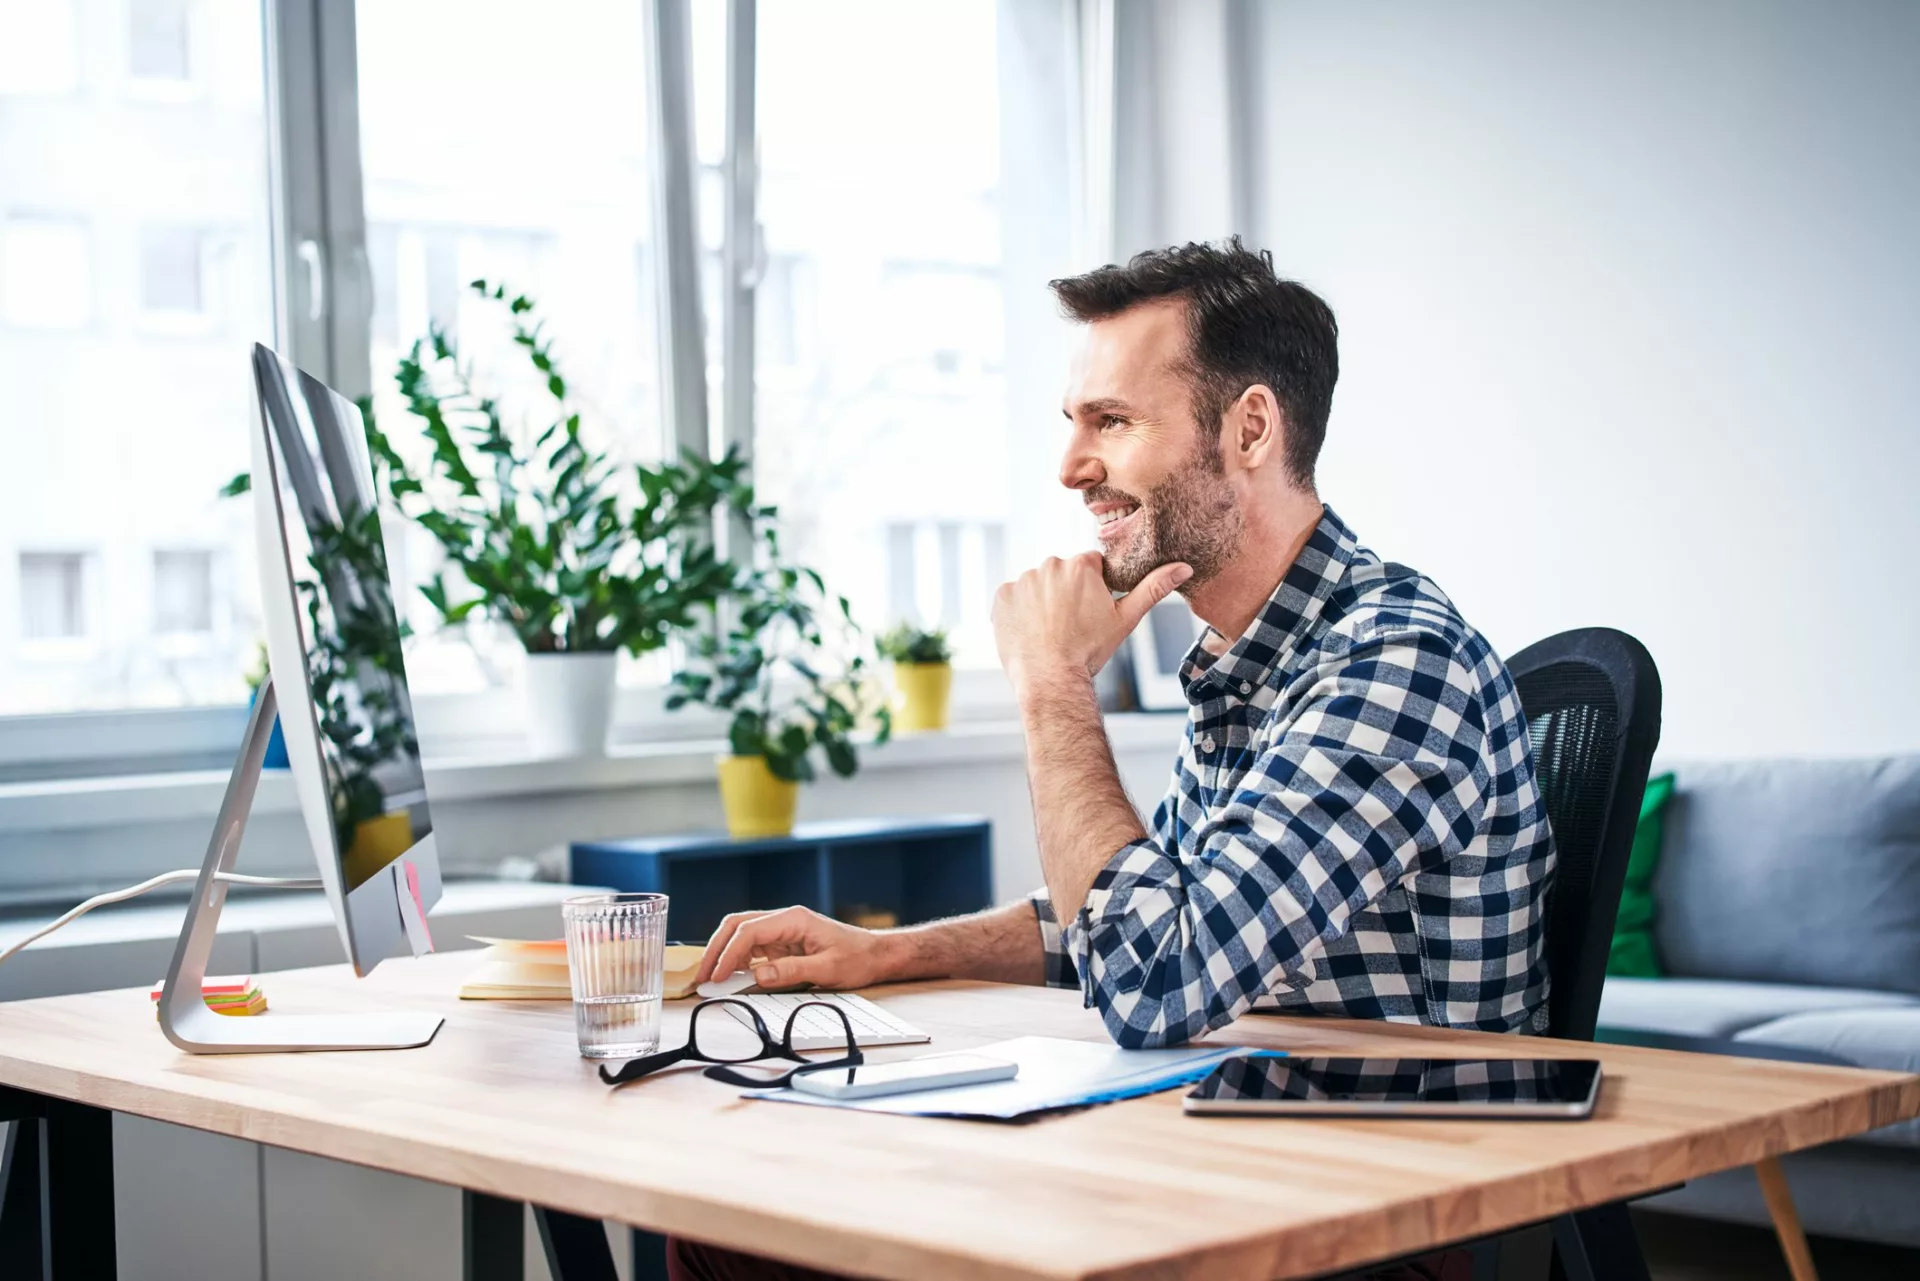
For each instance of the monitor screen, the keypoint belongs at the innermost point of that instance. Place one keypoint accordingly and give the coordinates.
(348, 631)
(1352, 1080)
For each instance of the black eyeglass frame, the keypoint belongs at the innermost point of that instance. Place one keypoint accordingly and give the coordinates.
(723, 1067)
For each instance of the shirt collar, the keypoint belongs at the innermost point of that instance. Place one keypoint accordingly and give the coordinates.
(1286, 620)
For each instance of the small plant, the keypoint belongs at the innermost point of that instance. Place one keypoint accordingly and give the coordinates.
(909, 644)
(776, 665)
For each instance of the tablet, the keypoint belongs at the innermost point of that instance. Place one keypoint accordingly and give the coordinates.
(1269, 1085)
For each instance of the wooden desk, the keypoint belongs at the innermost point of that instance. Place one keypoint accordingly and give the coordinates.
(501, 1104)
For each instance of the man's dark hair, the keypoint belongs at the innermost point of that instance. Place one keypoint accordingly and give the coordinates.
(1245, 325)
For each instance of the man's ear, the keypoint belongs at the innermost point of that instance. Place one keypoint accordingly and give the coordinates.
(1258, 427)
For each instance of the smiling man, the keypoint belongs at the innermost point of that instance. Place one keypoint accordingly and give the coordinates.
(1353, 826)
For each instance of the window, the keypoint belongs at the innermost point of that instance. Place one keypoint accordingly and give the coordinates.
(515, 154)
(119, 434)
(880, 392)
(46, 278)
(53, 596)
(170, 269)
(38, 50)
(892, 313)
(157, 39)
(182, 592)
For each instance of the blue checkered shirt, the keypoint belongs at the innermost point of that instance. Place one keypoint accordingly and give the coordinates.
(1353, 827)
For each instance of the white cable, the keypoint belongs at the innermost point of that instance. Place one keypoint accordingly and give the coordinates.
(165, 878)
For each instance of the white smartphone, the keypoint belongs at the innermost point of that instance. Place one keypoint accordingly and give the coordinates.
(929, 1072)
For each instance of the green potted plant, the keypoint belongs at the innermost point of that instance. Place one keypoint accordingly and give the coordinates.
(782, 660)
(922, 675)
(546, 535)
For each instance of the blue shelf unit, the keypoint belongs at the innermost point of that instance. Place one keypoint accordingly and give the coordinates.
(919, 869)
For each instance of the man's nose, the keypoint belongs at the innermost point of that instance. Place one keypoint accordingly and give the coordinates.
(1079, 469)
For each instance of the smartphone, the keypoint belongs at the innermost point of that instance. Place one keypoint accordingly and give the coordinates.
(1261, 1085)
(929, 1072)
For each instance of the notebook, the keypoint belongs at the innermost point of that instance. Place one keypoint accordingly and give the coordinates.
(536, 970)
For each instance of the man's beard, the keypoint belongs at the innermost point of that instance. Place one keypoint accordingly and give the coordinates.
(1190, 516)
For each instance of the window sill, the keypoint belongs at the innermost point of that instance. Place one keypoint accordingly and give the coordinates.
(66, 804)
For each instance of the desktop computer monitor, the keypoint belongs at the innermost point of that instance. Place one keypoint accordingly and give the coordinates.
(339, 684)
(333, 645)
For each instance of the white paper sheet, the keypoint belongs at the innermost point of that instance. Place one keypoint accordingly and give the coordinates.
(1054, 1073)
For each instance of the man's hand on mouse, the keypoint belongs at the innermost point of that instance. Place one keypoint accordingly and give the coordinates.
(1059, 621)
(797, 945)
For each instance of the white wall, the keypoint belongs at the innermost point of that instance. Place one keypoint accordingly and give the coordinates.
(1630, 325)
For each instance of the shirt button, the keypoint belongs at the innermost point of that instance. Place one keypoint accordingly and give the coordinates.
(1245, 688)
(1206, 744)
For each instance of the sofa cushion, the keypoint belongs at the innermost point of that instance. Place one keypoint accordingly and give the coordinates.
(1887, 1037)
(1716, 1007)
(1793, 871)
(1632, 951)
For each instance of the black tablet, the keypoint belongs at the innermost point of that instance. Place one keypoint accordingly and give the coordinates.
(1275, 1085)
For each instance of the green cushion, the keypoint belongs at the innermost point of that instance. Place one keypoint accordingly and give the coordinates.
(1633, 952)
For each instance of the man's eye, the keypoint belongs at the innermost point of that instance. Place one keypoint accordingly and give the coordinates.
(1110, 421)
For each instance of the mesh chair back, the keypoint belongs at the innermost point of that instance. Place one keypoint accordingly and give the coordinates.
(1592, 702)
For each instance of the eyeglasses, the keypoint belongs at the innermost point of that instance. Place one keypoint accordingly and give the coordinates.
(725, 1064)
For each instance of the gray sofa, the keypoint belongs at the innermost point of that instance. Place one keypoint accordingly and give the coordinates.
(1788, 898)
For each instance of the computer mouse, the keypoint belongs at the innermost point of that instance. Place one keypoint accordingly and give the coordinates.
(714, 989)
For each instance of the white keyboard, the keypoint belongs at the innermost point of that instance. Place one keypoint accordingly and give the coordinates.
(819, 1030)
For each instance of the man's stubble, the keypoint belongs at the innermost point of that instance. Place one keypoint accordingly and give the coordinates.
(1190, 516)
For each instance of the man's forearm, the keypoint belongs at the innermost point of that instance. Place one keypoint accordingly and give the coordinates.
(999, 945)
(1080, 811)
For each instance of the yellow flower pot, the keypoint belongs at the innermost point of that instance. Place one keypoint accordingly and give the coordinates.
(757, 803)
(377, 842)
(924, 691)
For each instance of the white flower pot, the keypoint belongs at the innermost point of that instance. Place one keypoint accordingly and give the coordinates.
(569, 703)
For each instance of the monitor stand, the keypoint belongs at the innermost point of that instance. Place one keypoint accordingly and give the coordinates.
(184, 1016)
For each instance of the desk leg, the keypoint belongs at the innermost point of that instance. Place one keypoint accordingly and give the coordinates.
(20, 1249)
(1598, 1245)
(577, 1248)
(493, 1238)
(649, 1256)
(76, 1168)
(56, 1188)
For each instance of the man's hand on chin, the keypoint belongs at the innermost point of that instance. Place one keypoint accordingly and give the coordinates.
(1057, 624)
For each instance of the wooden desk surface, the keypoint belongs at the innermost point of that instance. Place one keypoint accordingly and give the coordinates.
(501, 1103)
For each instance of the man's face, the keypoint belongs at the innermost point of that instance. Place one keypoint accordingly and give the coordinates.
(1147, 471)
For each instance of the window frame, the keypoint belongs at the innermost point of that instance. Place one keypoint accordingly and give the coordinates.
(323, 311)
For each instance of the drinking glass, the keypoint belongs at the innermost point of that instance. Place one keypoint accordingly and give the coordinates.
(616, 957)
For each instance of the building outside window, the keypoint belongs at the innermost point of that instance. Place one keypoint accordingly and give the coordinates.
(542, 188)
(881, 404)
(157, 40)
(53, 596)
(46, 273)
(119, 431)
(39, 47)
(183, 592)
(171, 270)
(517, 153)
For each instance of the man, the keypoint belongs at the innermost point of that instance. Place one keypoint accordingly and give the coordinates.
(1353, 827)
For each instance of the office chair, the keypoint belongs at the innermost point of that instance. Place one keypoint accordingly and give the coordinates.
(1592, 703)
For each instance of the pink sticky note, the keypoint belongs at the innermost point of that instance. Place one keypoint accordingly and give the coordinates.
(419, 907)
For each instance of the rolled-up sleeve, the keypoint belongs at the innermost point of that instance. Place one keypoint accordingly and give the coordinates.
(1382, 770)
(1060, 971)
